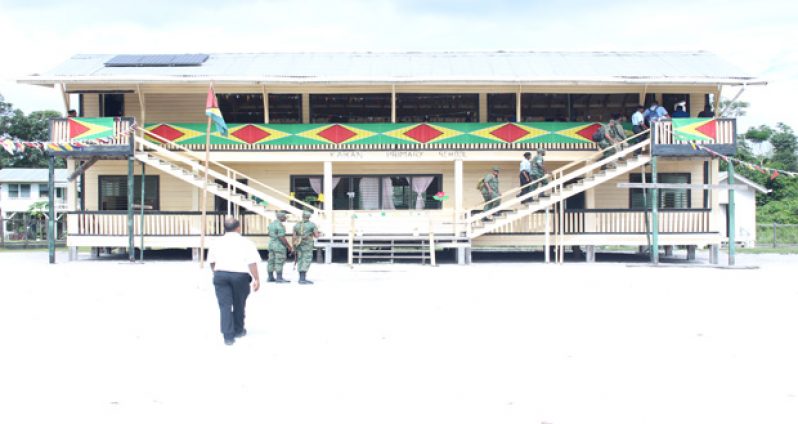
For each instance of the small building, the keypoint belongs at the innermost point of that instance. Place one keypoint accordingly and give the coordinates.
(744, 207)
(21, 188)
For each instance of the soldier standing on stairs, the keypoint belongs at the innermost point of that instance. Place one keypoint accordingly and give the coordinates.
(304, 234)
(489, 186)
(278, 249)
(538, 170)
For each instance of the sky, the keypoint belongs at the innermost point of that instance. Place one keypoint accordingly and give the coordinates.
(755, 36)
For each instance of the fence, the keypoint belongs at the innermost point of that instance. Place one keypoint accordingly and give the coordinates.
(23, 230)
(776, 235)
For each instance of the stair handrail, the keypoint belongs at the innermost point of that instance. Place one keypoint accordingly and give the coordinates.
(559, 170)
(233, 182)
(558, 181)
(211, 172)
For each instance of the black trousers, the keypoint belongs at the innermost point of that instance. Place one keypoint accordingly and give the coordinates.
(522, 179)
(232, 289)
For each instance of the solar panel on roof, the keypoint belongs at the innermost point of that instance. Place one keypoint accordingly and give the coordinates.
(156, 60)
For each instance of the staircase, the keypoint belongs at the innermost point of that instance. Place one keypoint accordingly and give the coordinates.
(562, 186)
(391, 251)
(187, 167)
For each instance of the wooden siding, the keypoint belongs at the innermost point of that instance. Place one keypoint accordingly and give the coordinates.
(609, 196)
(175, 195)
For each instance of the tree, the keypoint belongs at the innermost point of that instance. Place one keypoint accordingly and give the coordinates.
(33, 127)
(784, 145)
(734, 109)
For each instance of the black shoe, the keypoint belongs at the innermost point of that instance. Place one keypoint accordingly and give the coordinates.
(303, 280)
(229, 342)
(242, 333)
(280, 278)
(271, 277)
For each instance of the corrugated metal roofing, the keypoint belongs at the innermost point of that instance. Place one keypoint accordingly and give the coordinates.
(32, 175)
(417, 67)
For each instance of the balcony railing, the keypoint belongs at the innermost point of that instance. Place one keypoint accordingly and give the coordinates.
(680, 136)
(590, 221)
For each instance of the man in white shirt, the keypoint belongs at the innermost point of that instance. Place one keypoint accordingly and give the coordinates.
(524, 173)
(234, 262)
(638, 124)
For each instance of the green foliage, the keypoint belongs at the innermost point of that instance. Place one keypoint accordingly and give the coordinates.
(38, 209)
(733, 109)
(32, 127)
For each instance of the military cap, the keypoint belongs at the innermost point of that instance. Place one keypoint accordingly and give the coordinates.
(541, 151)
(496, 168)
(307, 214)
(280, 214)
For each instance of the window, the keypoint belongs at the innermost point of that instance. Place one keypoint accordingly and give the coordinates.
(285, 108)
(414, 107)
(18, 191)
(59, 192)
(373, 192)
(544, 107)
(350, 107)
(242, 108)
(600, 107)
(112, 105)
(670, 101)
(43, 190)
(669, 198)
(501, 107)
(113, 192)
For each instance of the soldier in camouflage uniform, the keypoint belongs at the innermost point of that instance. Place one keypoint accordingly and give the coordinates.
(538, 170)
(490, 189)
(613, 135)
(279, 248)
(304, 234)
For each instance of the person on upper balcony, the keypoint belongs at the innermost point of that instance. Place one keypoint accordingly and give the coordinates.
(680, 112)
(655, 112)
(707, 112)
(525, 173)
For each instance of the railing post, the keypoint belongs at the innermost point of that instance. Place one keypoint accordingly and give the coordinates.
(732, 223)
(51, 208)
(654, 213)
(141, 206)
(130, 237)
(774, 235)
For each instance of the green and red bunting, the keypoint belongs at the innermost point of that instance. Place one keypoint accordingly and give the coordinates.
(695, 129)
(774, 173)
(82, 133)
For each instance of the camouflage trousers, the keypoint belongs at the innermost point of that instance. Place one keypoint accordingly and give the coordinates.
(304, 259)
(276, 260)
(486, 195)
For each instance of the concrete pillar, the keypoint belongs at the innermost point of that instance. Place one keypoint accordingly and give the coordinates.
(95, 252)
(328, 254)
(461, 256)
(195, 255)
(590, 254)
(467, 253)
(458, 193)
(73, 253)
(691, 252)
(305, 108)
(327, 190)
(668, 250)
(714, 254)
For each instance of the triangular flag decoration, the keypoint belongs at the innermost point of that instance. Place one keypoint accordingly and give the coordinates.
(8, 145)
(320, 197)
(213, 112)
(775, 174)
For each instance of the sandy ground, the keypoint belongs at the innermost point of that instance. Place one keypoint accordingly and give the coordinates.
(112, 342)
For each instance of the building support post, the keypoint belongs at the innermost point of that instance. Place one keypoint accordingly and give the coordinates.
(518, 105)
(691, 252)
(732, 223)
(72, 202)
(327, 190)
(393, 103)
(654, 214)
(458, 196)
(590, 254)
(141, 223)
(546, 243)
(131, 246)
(51, 208)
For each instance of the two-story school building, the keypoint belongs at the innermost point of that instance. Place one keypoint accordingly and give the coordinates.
(387, 148)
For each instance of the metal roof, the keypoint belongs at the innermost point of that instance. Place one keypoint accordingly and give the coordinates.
(416, 67)
(31, 175)
(723, 176)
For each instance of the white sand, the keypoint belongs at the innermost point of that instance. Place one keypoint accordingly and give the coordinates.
(110, 342)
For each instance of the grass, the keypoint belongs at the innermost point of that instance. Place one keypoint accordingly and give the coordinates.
(786, 250)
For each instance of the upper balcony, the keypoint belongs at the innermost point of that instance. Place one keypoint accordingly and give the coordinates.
(670, 138)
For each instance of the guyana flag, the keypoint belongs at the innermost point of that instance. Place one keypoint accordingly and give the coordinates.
(213, 112)
(694, 129)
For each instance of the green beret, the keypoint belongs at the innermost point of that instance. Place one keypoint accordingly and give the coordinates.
(496, 168)
(280, 214)
(307, 214)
